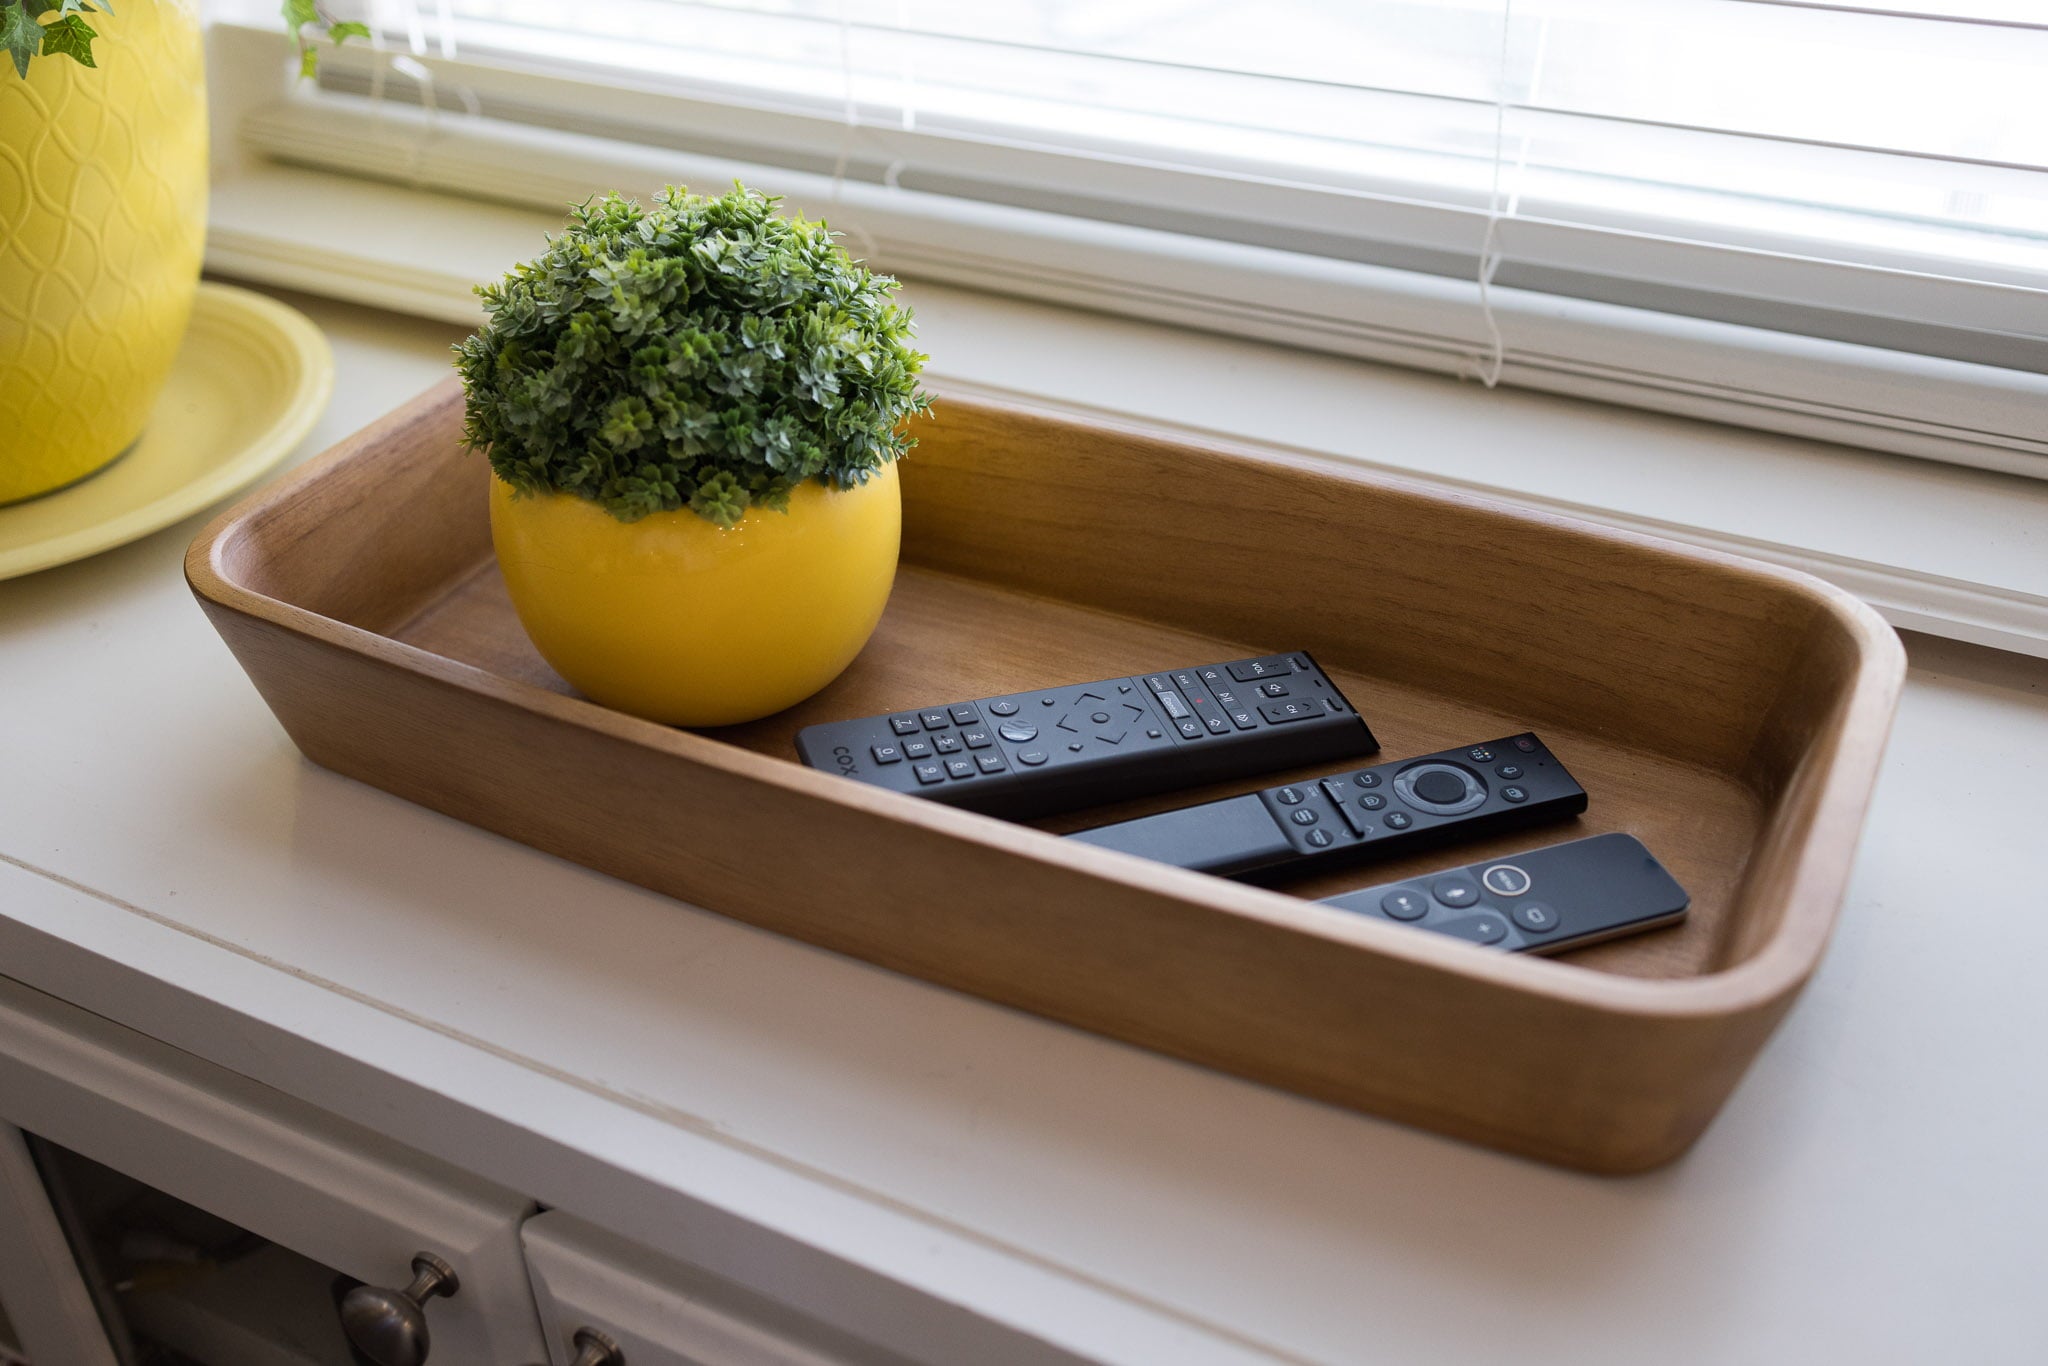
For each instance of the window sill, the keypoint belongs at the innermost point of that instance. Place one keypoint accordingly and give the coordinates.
(1948, 550)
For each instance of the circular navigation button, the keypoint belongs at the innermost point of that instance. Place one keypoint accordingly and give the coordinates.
(1032, 758)
(1535, 917)
(1100, 718)
(1372, 801)
(1440, 787)
(1526, 745)
(1456, 891)
(1399, 820)
(1405, 905)
(1319, 838)
(1016, 732)
(1505, 879)
(1003, 708)
(1515, 794)
(1367, 780)
(1288, 796)
(1302, 816)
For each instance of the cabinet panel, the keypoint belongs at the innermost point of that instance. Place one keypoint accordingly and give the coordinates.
(295, 1175)
(662, 1313)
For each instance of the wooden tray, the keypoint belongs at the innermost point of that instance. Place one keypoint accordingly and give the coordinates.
(1730, 714)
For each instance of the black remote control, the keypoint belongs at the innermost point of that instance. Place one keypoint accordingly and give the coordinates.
(1560, 897)
(1378, 812)
(1059, 749)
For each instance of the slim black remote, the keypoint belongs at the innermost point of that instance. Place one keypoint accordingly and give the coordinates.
(1560, 897)
(1377, 812)
(1059, 749)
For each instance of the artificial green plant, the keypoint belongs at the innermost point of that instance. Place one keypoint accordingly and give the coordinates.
(705, 352)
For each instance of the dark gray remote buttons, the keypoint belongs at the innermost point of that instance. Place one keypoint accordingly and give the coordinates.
(1086, 744)
(1559, 897)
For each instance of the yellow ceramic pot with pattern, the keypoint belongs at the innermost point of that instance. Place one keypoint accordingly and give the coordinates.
(102, 221)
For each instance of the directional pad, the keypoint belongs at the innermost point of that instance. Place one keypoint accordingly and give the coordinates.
(1063, 724)
(1092, 697)
(1115, 739)
(1138, 713)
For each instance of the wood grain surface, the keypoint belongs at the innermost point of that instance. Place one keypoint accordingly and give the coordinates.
(1730, 714)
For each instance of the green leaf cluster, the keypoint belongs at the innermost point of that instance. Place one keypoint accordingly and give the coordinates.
(707, 353)
(24, 35)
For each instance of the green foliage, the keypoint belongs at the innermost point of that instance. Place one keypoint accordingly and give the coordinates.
(24, 35)
(706, 353)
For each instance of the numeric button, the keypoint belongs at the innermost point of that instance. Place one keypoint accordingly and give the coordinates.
(977, 738)
(964, 714)
(946, 744)
(960, 768)
(931, 771)
(903, 725)
(887, 754)
(935, 719)
(917, 749)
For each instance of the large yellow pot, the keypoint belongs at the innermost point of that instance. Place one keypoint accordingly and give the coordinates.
(102, 220)
(679, 620)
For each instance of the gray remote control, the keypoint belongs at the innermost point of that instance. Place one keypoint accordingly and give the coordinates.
(1085, 744)
(1560, 897)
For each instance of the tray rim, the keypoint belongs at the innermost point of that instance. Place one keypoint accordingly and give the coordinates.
(1812, 896)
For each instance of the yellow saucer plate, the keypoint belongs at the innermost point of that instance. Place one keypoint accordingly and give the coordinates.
(250, 380)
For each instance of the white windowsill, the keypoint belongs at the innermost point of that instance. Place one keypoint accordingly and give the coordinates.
(1948, 550)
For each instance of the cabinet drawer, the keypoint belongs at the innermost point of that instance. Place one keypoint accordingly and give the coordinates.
(663, 1313)
(290, 1173)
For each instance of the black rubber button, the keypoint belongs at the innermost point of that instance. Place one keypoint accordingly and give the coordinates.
(964, 714)
(991, 762)
(1151, 735)
(1515, 794)
(1439, 787)
(1367, 780)
(1505, 879)
(903, 725)
(887, 754)
(1319, 838)
(931, 771)
(1526, 745)
(1032, 758)
(1456, 891)
(1076, 747)
(946, 744)
(1273, 689)
(1016, 732)
(917, 749)
(1399, 820)
(1302, 815)
(936, 720)
(1288, 796)
(960, 768)
(1405, 905)
(1535, 917)
(1509, 771)
(1372, 801)
(1003, 708)
(978, 738)
(1479, 929)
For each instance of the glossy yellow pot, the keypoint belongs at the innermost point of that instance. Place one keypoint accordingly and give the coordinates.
(102, 219)
(679, 620)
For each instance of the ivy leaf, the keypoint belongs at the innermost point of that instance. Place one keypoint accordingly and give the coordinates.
(20, 35)
(348, 28)
(299, 13)
(69, 37)
(309, 63)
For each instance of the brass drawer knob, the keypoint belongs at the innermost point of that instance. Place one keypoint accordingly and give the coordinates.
(390, 1326)
(596, 1349)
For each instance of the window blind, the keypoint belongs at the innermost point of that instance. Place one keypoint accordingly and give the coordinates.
(1868, 175)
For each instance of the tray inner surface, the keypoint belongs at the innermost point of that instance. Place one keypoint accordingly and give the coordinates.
(947, 638)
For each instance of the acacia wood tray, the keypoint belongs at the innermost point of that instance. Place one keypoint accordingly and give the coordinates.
(1730, 714)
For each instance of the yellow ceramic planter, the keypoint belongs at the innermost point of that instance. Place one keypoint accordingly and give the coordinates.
(679, 620)
(102, 220)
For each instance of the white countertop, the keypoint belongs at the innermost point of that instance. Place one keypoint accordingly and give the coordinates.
(1874, 1191)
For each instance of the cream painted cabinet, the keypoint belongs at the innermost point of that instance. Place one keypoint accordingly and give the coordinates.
(226, 1220)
